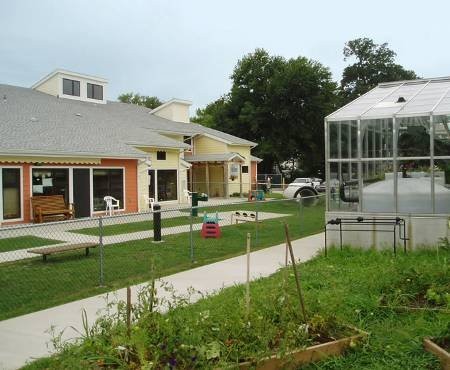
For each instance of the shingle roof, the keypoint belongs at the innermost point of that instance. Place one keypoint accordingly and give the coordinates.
(35, 122)
(402, 98)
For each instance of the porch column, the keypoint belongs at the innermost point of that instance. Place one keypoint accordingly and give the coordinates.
(225, 179)
(207, 179)
(240, 180)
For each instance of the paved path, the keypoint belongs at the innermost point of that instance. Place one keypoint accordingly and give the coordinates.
(26, 337)
(71, 237)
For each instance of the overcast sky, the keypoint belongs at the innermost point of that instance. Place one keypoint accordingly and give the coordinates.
(187, 49)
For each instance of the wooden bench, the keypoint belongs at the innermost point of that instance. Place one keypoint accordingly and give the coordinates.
(53, 250)
(51, 208)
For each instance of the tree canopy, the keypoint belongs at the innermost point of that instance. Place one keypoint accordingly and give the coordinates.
(373, 64)
(278, 103)
(147, 101)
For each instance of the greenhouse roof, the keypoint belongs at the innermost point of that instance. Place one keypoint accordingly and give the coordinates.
(401, 98)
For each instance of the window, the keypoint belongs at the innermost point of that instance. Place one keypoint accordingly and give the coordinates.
(188, 140)
(244, 169)
(10, 189)
(167, 185)
(161, 156)
(51, 181)
(71, 87)
(107, 182)
(94, 91)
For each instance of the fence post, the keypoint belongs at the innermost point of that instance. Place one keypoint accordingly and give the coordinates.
(191, 239)
(300, 214)
(100, 243)
(257, 222)
(156, 223)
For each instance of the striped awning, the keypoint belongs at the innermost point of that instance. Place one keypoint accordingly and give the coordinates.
(49, 160)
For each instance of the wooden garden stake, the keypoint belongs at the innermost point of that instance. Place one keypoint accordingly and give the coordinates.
(294, 267)
(128, 311)
(247, 292)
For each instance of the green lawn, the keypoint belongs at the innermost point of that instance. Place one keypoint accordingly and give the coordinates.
(30, 285)
(24, 242)
(215, 332)
(132, 227)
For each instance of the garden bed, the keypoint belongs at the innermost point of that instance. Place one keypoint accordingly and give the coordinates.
(439, 347)
(307, 355)
(341, 288)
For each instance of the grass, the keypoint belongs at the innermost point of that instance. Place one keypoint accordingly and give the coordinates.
(131, 227)
(346, 285)
(30, 285)
(24, 242)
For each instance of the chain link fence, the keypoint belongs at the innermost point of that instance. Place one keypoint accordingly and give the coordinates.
(43, 265)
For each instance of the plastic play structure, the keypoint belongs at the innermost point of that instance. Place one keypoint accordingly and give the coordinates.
(210, 227)
(256, 195)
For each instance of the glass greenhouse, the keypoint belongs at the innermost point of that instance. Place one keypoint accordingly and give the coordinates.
(389, 151)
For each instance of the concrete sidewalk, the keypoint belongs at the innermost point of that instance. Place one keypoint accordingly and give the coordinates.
(26, 337)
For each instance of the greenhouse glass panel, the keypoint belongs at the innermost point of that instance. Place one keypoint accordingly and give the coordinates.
(343, 186)
(378, 186)
(414, 137)
(376, 136)
(442, 185)
(441, 135)
(414, 186)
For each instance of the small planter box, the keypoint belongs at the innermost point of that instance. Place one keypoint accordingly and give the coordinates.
(438, 351)
(305, 356)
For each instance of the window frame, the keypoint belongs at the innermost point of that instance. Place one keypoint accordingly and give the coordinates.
(123, 203)
(72, 87)
(160, 153)
(2, 220)
(246, 169)
(90, 88)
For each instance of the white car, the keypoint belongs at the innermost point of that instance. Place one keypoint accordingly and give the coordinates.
(302, 186)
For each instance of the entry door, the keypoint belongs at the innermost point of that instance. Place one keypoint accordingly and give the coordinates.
(82, 192)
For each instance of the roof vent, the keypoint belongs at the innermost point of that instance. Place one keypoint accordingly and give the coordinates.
(401, 99)
(33, 119)
(78, 114)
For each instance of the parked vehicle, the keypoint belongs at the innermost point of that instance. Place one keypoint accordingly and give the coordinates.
(302, 187)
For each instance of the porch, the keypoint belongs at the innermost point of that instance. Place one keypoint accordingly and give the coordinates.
(219, 175)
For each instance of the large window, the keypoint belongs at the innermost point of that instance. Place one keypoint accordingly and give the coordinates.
(51, 181)
(94, 91)
(167, 185)
(71, 87)
(107, 182)
(11, 195)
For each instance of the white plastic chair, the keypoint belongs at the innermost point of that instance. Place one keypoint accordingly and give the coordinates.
(111, 204)
(150, 202)
(188, 195)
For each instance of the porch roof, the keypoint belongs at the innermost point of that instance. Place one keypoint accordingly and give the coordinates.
(220, 157)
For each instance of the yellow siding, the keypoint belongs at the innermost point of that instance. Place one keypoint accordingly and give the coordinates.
(50, 86)
(173, 136)
(205, 145)
(172, 158)
(245, 152)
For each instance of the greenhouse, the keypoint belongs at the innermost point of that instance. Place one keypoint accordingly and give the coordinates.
(388, 154)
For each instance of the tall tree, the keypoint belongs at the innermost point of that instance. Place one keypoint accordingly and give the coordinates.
(374, 64)
(147, 101)
(278, 103)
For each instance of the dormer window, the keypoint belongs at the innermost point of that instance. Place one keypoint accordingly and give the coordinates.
(71, 87)
(94, 91)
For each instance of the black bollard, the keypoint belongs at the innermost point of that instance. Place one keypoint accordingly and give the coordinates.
(156, 223)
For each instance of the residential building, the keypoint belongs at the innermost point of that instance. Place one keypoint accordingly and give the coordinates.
(62, 136)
